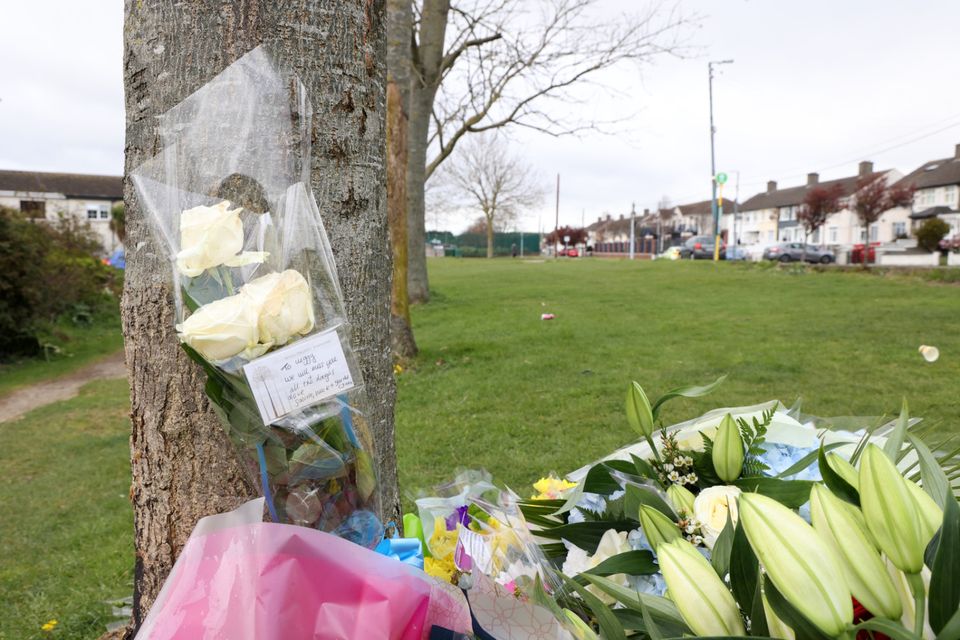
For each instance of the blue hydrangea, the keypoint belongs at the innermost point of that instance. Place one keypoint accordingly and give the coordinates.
(780, 457)
(592, 502)
(654, 584)
(637, 540)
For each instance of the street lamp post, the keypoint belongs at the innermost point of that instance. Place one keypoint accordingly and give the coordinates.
(713, 165)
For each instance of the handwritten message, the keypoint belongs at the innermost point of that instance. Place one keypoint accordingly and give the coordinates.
(309, 371)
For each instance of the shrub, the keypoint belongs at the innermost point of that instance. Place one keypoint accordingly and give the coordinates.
(46, 270)
(931, 233)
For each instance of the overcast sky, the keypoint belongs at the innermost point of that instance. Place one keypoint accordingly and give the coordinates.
(816, 86)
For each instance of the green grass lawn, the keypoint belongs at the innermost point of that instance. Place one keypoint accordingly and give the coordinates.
(66, 529)
(498, 388)
(79, 345)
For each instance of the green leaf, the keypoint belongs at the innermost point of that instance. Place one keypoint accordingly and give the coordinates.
(895, 440)
(944, 597)
(586, 535)
(610, 627)
(790, 493)
(633, 620)
(542, 598)
(597, 480)
(636, 495)
(685, 392)
(649, 625)
(790, 616)
(632, 563)
(720, 556)
(662, 609)
(887, 627)
(639, 414)
(644, 468)
(934, 480)
(808, 459)
(951, 631)
(835, 482)
(758, 617)
(744, 567)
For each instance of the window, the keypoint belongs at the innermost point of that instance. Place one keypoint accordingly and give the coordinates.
(788, 213)
(927, 197)
(34, 208)
(863, 234)
(899, 230)
(950, 195)
(815, 237)
(98, 212)
(770, 236)
(874, 232)
(832, 234)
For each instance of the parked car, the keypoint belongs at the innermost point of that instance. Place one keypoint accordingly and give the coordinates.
(794, 252)
(701, 248)
(570, 252)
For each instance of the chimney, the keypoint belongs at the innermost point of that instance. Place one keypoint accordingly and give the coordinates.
(646, 212)
(956, 152)
(599, 218)
(866, 168)
(771, 186)
(812, 179)
(609, 217)
(621, 216)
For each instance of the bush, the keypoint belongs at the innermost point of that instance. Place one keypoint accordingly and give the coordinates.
(931, 233)
(46, 270)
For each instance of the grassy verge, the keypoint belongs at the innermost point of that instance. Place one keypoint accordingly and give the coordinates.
(496, 387)
(66, 535)
(79, 345)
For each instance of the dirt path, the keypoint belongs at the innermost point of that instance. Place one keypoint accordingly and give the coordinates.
(19, 402)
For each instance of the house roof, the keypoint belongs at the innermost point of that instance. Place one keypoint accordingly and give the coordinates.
(69, 184)
(794, 195)
(934, 174)
(932, 212)
(704, 207)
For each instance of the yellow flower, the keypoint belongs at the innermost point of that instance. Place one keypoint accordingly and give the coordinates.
(552, 488)
(48, 626)
(443, 569)
(442, 545)
(397, 369)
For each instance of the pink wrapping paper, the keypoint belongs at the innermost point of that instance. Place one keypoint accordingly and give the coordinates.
(265, 581)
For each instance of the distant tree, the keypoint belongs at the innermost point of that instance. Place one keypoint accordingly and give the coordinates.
(477, 226)
(931, 233)
(118, 222)
(818, 205)
(484, 175)
(577, 235)
(873, 197)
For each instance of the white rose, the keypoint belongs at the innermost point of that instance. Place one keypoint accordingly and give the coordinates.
(285, 305)
(612, 543)
(221, 329)
(711, 507)
(210, 237)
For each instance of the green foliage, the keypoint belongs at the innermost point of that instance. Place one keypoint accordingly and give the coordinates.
(754, 434)
(47, 269)
(931, 233)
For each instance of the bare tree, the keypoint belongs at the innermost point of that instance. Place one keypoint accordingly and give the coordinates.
(486, 176)
(506, 63)
(183, 465)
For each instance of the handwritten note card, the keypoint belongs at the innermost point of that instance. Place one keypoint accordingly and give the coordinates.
(309, 371)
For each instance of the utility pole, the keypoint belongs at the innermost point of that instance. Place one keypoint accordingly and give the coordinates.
(713, 165)
(633, 228)
(556, 225)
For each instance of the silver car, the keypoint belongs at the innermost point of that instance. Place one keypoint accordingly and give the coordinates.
(794, 252)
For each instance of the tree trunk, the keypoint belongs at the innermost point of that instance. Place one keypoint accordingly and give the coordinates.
(183, 465)
(421, 104)
(489, 237)
(399, 29)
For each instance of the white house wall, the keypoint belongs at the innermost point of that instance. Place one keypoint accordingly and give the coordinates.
(57, 205)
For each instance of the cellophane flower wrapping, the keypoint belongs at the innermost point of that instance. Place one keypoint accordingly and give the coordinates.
(243, 579)
(257, 297)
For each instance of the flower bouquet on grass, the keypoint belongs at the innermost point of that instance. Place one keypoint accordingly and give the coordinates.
(258, 302)
(759, 521)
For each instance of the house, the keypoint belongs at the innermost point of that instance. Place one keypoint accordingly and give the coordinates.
(48, 196)
(937, 185)
(772, 216)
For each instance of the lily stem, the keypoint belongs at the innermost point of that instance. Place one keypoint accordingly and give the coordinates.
(653, 447)
(919, 600)
(227, 279)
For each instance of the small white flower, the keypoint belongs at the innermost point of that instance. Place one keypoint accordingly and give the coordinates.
(697, 539)
(668, 467)
(690, 528)
(674, 476)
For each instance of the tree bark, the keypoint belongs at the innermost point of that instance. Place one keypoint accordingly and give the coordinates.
(399, 29)
(489, 236)
(182, 463)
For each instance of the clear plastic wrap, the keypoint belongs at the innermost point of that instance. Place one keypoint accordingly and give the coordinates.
(258, 301)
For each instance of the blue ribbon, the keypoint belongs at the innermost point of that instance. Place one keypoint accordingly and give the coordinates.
(406, 550)
(265, 482)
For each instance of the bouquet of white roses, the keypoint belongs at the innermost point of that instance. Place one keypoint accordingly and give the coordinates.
(258, 303)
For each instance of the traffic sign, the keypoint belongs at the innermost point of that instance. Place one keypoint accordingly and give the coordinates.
(721, 178)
